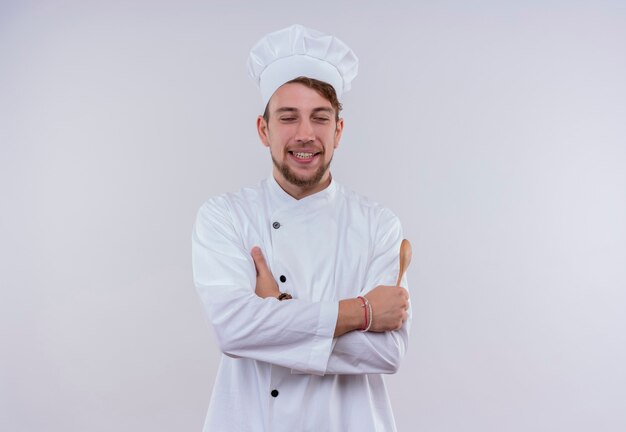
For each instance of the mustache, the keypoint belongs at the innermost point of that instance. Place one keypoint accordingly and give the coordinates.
(306, 147)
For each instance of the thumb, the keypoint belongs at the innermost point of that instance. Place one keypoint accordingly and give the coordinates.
(259, 261)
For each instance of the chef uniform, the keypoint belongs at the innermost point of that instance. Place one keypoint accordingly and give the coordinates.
(282, 370)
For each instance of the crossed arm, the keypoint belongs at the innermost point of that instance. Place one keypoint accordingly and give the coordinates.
(389, 303)
(309, 337)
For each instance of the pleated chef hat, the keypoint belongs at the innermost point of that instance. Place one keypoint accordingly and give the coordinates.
(299, 51)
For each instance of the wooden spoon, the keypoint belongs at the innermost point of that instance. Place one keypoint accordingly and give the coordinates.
(405, 258)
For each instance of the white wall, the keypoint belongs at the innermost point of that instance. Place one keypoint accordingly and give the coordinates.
(495, 130)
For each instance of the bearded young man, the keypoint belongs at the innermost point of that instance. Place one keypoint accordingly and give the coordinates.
(291, 270)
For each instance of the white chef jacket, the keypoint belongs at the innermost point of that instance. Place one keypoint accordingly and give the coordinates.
(282, 369)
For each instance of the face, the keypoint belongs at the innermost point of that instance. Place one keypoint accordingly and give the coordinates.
(302, 135)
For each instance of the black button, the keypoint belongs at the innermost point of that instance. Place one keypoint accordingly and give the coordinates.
(276, 225)
(274, 393)
(283, 279)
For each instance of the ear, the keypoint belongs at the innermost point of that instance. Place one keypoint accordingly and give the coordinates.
(338, 132)
(261, 128)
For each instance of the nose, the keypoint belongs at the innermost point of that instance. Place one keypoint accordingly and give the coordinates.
(305, 131)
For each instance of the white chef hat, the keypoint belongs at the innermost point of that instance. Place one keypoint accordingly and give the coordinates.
(299, 51)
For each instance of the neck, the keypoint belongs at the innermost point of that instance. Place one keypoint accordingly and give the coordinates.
(299, 192)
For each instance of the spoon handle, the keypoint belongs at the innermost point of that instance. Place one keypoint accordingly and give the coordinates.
(405, 259)
(400, 274)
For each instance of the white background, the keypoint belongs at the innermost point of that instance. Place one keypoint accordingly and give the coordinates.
(495, 130)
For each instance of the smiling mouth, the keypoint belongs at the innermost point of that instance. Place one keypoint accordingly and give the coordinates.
(304, 155)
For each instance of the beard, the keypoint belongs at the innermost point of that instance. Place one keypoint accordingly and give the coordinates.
(302, 182)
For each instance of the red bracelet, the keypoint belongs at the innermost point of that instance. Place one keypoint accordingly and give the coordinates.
(365, 310)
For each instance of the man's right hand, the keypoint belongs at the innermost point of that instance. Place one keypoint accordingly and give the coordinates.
(389, 307)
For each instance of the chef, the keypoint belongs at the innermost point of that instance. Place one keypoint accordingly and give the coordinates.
(297, 275)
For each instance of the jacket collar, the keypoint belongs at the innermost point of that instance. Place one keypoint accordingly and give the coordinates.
(279, 198)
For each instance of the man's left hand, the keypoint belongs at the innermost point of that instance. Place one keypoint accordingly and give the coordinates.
(266, 285)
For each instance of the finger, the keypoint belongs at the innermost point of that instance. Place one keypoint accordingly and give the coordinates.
(259, 261)
(406, 293)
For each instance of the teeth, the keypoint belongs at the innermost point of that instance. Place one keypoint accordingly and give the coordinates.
(303, 155)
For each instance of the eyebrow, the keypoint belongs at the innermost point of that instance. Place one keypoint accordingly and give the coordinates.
(324, 109)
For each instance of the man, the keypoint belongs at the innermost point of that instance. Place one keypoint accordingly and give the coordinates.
(291, 270)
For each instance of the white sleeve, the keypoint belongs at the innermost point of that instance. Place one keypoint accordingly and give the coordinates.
(363, 353)
(295, 334)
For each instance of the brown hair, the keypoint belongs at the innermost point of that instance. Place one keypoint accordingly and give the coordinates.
(325, 90)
